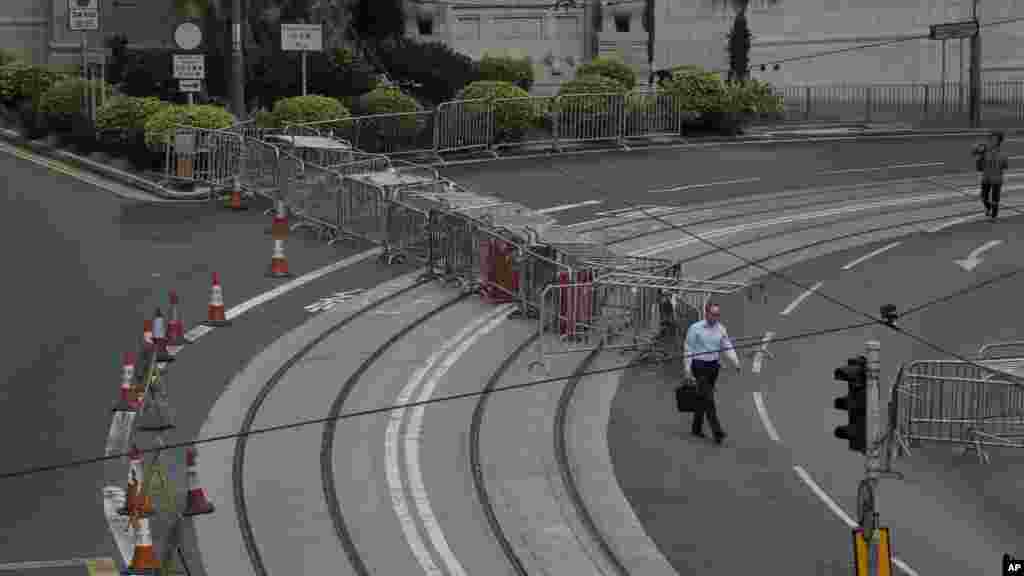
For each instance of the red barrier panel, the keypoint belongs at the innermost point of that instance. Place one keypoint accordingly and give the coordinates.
(563, 312)
(585, 295)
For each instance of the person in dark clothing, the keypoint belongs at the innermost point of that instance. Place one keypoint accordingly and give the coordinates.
(992, 163)
(705, 341)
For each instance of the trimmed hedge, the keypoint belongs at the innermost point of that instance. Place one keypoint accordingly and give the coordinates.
(378, 134)
(609, 67)
(696, 89)
(21, 81)
(514, 112)
(602, 88)
(159, 128)
(517, 71)
(440, 71)
(311, 108)
(125, 114)
(63, 101)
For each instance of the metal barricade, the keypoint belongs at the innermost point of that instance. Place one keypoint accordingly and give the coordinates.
(464, 125)
(590, 117)
(310, 194)
(960, 403)
(260, 169)
(200, 155)
(616, 311)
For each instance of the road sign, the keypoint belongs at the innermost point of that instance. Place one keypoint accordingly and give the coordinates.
(953, 30)
(189, 66)
(189, 85)
(188, 36)
(302, 38)
(83, 15)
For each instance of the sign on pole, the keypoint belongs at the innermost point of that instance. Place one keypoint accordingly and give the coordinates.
(189, 86)
(83, 15)
(189, 66)
(302, 38)
(953, 30)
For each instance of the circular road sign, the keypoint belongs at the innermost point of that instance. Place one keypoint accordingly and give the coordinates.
(188, 36)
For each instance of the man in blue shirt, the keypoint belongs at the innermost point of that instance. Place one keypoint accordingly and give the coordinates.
(705, 341)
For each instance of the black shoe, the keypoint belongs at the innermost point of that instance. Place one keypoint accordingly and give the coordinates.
(698, 434)
(719, 438)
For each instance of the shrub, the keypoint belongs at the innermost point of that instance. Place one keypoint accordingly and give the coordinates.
(312, 108)
(126, 114)
(603, 89)
(159, 128)
(8, 56)
(390, 132)
(512, 118)
(518, 71)
(63, 101)
(696, 90)
(609, 67)
(20, 81)
(439, 71)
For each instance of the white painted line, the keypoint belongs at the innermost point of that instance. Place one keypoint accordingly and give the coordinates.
(799, 299)
(412, 443)
(974, 258)
(69, 563)
(881, 168)
(706, 185)
(956, 221)
(630, 213)
(763, 413)
(759, 356)
(394, 479)
(871, 255)
(1016, 158)
(841, 514)
(565, 207)
(199, 331)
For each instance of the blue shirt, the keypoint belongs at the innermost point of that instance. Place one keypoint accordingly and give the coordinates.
(705, 342)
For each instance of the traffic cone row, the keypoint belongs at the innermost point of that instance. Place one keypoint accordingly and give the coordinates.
(137, 502)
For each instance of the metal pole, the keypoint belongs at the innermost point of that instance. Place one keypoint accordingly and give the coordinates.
(237, 62)
(303, 72)
(943, 106)
(976, 73)
(960, 85)
(650, 41)
(874, 433)
(85, 72)
(188, 98)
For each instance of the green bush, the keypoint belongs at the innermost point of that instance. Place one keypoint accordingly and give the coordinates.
(120, 119)
(20, 81)
(161, 125)
(387, 133)
(609, 67)
(8, 56)
(437, 71)
(514, 112)
(603, 91)
(312, 108)
(64, 100)
(518, 71)
(696, 90)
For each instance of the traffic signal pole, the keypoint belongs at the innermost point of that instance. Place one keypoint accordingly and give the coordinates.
(872, 455)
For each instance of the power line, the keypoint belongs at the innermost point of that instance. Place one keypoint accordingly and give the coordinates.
(754, 341)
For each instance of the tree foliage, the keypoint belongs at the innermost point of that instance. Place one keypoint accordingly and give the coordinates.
(379, 20)
(739, 48)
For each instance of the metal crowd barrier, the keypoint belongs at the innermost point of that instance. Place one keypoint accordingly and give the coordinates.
(200, 155)
(399, 132)
(618, 311)
(959, 403)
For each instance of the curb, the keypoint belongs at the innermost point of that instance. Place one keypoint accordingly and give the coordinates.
(100, 169)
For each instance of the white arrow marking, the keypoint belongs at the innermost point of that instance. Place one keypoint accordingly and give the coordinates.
(759, 356)
(799, 299)
(974, 258)
(763, 413)
(565, 207)
(870, 255)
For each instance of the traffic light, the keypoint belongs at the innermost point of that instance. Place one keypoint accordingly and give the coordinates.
(855, 432)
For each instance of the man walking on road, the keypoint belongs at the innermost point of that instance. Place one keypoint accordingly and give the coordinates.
(705, 341)
(992, 163)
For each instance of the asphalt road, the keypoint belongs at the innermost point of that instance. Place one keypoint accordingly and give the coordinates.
(84, 269)
(703, 504)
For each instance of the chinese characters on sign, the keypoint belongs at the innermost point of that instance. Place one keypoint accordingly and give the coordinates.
(301, 38)
(83, 15)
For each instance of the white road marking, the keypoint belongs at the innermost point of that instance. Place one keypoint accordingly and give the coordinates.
(763, 413)
(720, 232)
(628, 213)
(880, 168)
(842, 515)
(394, 479)
(870, 255)
(974, 258)
(799, 299)
(236, 311)
(565, 207)
(412, 444)
(328, 302)
(956, 221)
(759, 356)
(705, 185)
(69, 563)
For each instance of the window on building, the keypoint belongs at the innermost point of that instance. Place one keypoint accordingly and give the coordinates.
(622, 22)
(426, 25)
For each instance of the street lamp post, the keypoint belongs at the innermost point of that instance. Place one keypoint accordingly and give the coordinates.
(651, 19)
(237, 64)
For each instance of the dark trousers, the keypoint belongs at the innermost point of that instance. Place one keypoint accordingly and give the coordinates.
(990, 197)
(706, 373)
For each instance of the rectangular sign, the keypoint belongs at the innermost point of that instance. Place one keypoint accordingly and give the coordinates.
(83, 15)
(302, 38)
(189, 66)
(189, 85)
(953, 30)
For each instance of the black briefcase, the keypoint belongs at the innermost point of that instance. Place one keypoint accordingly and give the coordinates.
(687, 398)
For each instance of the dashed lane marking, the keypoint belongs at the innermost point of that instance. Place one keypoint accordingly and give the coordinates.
(870, 255)
(956, 221)
(565, 207)
(763, 413)
(799, 299)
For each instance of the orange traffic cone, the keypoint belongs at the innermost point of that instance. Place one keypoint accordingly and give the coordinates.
(160, 337)
(175, 326)
(144, 559)
(278, 262)
(215, 316)
(136, 502)
(129, 401)
(235, 201)
(197, 501)
(147, 335)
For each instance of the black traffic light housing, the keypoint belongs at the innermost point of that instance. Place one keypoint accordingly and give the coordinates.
(855, 404)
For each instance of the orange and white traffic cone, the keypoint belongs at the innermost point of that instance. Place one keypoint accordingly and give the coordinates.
(144, 560)
(278, 262)
(160, 338)
(147, 335)
(136, 502)
(175, 326)
(129, 401)
(216, 316)
(235, 199)
(197, 501)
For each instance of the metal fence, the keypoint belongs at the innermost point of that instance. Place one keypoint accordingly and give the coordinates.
(213, 157)
(972, 404)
